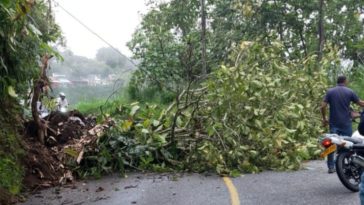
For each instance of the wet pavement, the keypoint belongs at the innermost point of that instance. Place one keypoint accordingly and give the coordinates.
(311, 185)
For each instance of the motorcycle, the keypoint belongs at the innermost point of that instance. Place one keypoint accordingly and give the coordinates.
(349, 157)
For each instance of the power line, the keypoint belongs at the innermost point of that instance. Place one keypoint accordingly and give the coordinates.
(91, 31)
(105, 41)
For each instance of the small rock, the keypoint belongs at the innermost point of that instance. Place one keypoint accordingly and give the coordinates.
(101, 198)
(100, 189)
(67, 201)
(131, 186)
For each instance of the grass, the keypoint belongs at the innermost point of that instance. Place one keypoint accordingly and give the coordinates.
(92, 106)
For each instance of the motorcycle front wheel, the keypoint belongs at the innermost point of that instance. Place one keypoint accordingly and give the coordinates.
(348, 172)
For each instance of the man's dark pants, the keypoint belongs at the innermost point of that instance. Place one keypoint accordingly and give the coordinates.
(346, 131)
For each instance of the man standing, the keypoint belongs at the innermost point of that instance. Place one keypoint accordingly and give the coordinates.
(62, 101)
(339, 99)
(340, 121)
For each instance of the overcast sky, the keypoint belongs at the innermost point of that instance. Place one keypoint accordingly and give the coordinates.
(114, 20)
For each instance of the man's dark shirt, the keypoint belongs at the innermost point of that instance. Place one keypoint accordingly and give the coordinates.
(339, 99)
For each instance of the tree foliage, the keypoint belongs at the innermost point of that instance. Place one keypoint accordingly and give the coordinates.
(243, 119)
(26, 29)
(168, 42)
(167, 45)
(294, 23)
(262, 110)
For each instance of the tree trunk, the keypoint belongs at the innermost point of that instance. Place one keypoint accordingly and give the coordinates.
(321, 31)
(203, 37)
(303, 42)
(37, 90)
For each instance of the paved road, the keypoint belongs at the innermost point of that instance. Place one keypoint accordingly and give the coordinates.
(309, 186)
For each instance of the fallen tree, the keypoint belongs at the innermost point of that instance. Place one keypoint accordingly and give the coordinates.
(246, 117)
(260, 112)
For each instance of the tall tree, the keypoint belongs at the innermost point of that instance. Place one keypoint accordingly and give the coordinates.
(203, 37)
(168, 45)
(321, 32)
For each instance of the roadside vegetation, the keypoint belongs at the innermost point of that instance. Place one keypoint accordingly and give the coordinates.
(245, 91)
(223, 86)
(26, 29)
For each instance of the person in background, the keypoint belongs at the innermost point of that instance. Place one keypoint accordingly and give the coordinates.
(62, 101)
(340, 120)
(42, 110)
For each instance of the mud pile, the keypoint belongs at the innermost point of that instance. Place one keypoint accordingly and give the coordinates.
(67, 135)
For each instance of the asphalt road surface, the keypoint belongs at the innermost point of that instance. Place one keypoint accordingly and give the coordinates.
(312, 185)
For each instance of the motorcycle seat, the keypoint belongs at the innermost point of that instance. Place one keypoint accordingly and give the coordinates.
(353, 140)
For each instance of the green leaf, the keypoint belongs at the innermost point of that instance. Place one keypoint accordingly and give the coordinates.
(6, 3)
(126, 125)
(145, 131)
(134, 109)
(146, 123)
(156, 123)
(34, 29)
(235, 173)
(12, 92)
(179, 122)
(161, 138)
(71, 152)
(3, 64)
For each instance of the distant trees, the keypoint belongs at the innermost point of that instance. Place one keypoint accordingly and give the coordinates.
(107, 62)
(111, 57)
(75, 67)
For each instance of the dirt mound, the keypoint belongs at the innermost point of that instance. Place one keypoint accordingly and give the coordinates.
(43, 168)
(67, 134)
(62, 127)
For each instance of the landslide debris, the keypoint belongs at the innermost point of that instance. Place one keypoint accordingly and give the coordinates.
(67, 134)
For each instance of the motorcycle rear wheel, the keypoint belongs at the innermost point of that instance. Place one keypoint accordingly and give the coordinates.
(348, 173)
